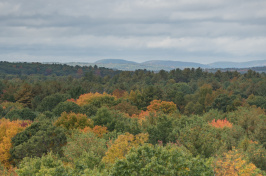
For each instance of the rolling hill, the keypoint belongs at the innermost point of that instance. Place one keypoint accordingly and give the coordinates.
(156, 65)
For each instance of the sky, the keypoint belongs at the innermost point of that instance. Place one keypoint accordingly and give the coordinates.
(202, 31)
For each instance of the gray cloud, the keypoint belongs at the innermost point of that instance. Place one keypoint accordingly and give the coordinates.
(87, 30)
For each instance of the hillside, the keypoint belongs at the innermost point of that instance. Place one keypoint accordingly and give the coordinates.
(257, 63)
(114, 61)
(174, 64)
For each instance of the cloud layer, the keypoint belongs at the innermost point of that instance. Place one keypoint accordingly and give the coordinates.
(87, 30)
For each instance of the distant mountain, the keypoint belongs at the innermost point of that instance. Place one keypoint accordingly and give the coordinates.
(174, 64)
(114, 61)
(156, 65)
(257, 63)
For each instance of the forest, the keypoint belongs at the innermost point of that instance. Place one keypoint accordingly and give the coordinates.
(71, 120)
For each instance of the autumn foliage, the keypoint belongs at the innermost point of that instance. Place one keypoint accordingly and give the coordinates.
(233, 163)
(90, 97)
(221, 123)
(73, 121)
(8, 129)
(99, 131)
(143, 115)
(163, 106)
(122, 146)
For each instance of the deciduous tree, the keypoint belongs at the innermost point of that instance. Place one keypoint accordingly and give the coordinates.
(73, 121)
(8, 129)
(122, 145)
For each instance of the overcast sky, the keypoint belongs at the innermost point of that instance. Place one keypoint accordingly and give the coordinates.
(201, 31)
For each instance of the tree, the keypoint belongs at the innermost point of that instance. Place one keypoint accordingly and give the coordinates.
(75, 92)
(136, 98)
(255, 152)
(38, 139)
(163, 106)
(22, 114)
(157, 160)
(50, 102)
(223, 102)
(159, 127)
(200, 139)
(126, 107)
(114, 120)
(9, 106)
(25, 95)
(99, 131)
(73, 121)
(89, 110)
(233, 163)
(85, 150)
(46, 165)
(252, 121)
(118, 93)
(221, 123)
(122, 145)
(66, 106)
(259, 101)
(96, 99)
(8, 129)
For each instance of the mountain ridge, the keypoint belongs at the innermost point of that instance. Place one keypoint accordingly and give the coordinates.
(155, 65)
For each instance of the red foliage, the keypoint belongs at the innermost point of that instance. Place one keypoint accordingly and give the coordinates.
(221, 123)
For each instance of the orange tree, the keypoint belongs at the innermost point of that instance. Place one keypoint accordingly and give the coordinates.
(99, 131)
(95, 99)
(221, 123)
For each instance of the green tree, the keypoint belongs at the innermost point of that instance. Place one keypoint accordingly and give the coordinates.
(25, 95)
(159, 128)
(85, 151)
(223, 103)
(50, 102)
(36, 140)
(22, 114)
(259, 101)
(157, 160)
(66, 106)
(201, 140)
(46, 165)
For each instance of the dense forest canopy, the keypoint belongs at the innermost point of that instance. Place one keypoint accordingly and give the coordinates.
(66, 120)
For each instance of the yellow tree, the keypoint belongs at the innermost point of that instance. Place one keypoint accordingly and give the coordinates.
(8, 129)
(73, 121)
(122, 145)
(233, 163)
(163, 106)
(90, 97)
